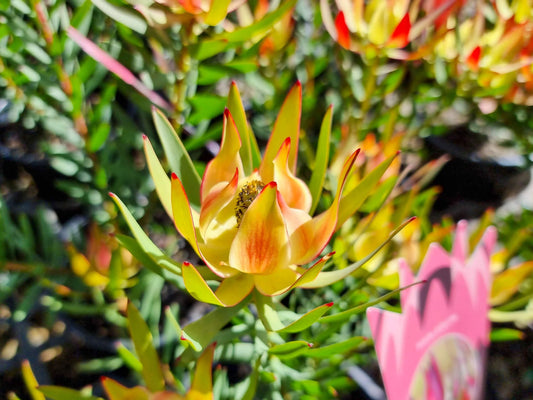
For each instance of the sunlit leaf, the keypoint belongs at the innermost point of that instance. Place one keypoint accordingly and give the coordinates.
(30, 381)
(321, 160)
(289, 349)
(306, 320)
(126, 16)
(179, 160)
(143, 342)
(61, 393)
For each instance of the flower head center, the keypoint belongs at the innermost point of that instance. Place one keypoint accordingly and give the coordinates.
(246, 196)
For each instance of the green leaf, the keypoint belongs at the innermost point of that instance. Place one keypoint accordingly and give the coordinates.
(126, 16)
(205, 107)
(61, 393)
(351, 201)
(289, 349)
(129, 358)
(30, 381)
(202, 331)
(344, 315)
(336, 348)
(236, 110)
(144, 241)
(252, 382)
(208, 48)
(306, 320)
(376, 199)
(267, 313)
(259, 28)
(321, 160)
(179, 160)
(506, 334)
(142, 340)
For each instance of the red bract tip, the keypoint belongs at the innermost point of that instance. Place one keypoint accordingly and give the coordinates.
(412, 219)
(330, 304)
(186, 263)
(226, 112)
(400, 36)
(174, 176)
(145, 137)
(343, 33)
(111, 194)
(473, 59)
(310, 345)
(182, 337)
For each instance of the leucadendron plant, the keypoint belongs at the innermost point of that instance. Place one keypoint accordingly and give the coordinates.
(250, 220)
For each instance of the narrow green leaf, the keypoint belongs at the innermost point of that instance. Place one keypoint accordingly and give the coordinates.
(126, 16)
(142, 340)
(344, 315)
(506, 334)
(261, 27)
(144, 241)
(306, 320)
(350, 202)
(205, 107)
(179, 160)
(62, 393)
(252, 382)
(376, 199)
(202, 331)
(289, 349)
(144, 258)
(267, 313)
(321, 159)
(160, 178)
(336, 348)
(129, 358)
(208, 48)
(236, 110)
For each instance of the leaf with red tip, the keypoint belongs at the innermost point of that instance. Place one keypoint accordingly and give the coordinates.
(400, 36)
(343, 33)
(473, 59)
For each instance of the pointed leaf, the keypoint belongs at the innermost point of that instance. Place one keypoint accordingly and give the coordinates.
(202, 331)
(202, 384)
(306, 320)
(179, 160)
(144, 241)
(336, 348)
(30, 381)
(352, 200)
(144, 258)
(159, 176)
(62, 393)
(345, 315)
(129, 358)
(289, 349)
(236, 109)
(143, 342)
(321, 159)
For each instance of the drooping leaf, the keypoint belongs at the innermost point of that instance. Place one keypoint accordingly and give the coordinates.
(336, 348)
(143, 342)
